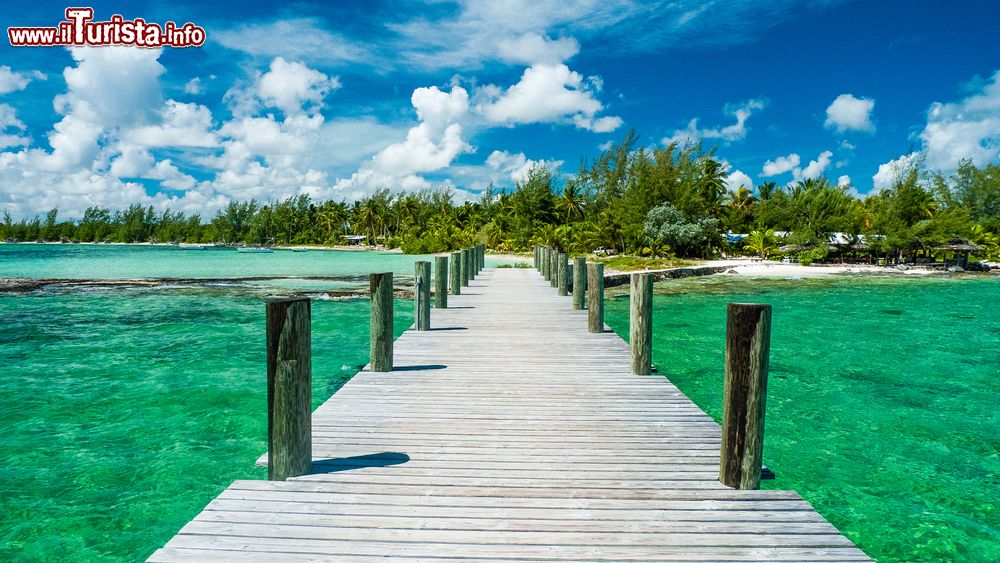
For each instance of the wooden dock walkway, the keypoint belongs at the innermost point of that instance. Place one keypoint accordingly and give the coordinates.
(509, 433)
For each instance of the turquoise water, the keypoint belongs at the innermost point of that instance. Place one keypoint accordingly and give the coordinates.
(881, 403)
(108, 261)
(126, 410)
(125, 414)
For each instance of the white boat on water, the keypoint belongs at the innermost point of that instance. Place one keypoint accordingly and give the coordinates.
(254, 250)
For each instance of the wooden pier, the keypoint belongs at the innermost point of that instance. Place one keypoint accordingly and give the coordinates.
(508, 432)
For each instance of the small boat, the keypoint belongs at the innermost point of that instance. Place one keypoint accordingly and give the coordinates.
(193, 247)
(300, 250)
(254, 250)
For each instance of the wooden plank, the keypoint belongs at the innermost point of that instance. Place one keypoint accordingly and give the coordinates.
(508, 432)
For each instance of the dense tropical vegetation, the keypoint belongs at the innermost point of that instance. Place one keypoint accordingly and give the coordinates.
(664, 201)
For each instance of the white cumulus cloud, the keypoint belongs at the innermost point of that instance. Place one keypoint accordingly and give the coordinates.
(728, 134)
(532, 48)
(849, 113)
(517, 166)
(193, 86)
(547, 93)
(780, 165)
(9, 120)
(968, 128)
(291, 85)
(430, 146)
(738, 179)
(11, 81)
(815, 167)
(894, 170)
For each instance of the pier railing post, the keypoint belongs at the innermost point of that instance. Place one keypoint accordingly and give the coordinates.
(534, 256)
(289, 388)
(579, 282)
(748, 343)
(381, 321)
(546, 262)
(456, 273)
(422, 295)
(563, 282)
(595, 297)
(440, 282)
(466, 264)
(554, 268)
(641, 323)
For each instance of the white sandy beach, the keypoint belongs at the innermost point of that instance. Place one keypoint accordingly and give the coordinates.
(771, 268)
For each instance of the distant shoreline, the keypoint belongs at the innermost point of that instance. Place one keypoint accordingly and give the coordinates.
(744, 267)
(751, 268)
(347, 247)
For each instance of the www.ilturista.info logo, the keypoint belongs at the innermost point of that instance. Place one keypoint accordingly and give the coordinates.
(79, 30)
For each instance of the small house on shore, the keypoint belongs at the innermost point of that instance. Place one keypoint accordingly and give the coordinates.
(355, 240)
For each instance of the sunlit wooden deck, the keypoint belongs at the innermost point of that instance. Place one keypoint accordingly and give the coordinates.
(508, 432)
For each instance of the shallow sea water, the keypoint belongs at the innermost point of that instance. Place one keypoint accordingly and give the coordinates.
(881, 403)
(125, 411)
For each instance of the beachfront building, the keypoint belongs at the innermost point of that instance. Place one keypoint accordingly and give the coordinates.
(354, 240)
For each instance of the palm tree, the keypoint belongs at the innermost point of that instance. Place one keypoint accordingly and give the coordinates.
(766, 190)
(989, 241)
(712, 184)
(741, 198)
(331, 217)
(571, 202)
(761, 242)
(406, 209)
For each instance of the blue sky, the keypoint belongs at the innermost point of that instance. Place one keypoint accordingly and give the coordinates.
(338, 100)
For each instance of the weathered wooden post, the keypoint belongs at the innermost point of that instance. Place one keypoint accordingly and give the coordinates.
(534, 256)
(289, 388)
(440, 282)
(381, 321)
(466, 264)
(554, 268)
(579, 281)
(456, 273)
(641, 325)
(595, 297)
(748, 344)
(563, 282)
(546, 262)
(422, 295)
(482, 257)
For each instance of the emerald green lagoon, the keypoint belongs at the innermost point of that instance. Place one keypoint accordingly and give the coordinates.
(118, 261)
(126, 410)
(881, 401)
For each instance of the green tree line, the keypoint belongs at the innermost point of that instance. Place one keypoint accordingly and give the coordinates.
(631, 199)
